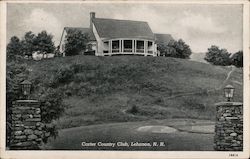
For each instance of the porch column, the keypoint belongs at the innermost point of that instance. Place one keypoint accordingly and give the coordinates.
(111, 46)
(122, 45)
(154, 53)
(135, 46)
(145, 46)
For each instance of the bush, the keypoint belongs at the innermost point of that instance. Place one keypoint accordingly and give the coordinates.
(51, 105)
(133, 110)
(63, 75)
(192, 103)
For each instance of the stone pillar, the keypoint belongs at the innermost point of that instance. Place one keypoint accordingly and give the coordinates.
(229, 127)
(26, 125)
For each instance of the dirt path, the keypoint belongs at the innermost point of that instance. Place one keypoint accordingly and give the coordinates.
(228, 77)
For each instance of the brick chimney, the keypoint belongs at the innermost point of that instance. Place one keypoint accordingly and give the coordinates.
(92, 16)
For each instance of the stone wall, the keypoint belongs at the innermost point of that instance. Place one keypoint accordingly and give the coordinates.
(27, 128)
(229, 127)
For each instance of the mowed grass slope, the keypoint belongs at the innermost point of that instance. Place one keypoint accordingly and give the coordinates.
(100, 89)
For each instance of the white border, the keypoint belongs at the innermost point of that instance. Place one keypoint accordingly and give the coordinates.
(126, 154)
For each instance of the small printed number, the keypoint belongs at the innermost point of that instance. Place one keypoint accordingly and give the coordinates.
(233, 155)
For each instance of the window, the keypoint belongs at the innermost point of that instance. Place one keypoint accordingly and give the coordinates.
(140, 46)
(115, 46)
(150, 47)
(127, 45)
(106, 47)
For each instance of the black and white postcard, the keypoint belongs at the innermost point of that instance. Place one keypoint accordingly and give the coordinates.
(124, 79)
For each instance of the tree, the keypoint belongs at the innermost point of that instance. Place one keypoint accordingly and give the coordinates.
(217, 56)
(237, 59)
(182, 49)
(43, 43)
(28, 43)
(14, 48)
(167, 49)
(178, 49)
(76, 41)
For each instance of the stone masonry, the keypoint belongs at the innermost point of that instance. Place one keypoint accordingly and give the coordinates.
(229, 127)
(26, 125)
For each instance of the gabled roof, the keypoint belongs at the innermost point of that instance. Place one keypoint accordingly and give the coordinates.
(113, 28)
(163, 38)
(83, 30)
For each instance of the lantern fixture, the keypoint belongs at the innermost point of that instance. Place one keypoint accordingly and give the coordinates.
(229, 92)
(25, 88)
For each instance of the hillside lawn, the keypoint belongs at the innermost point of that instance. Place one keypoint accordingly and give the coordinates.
(101, 90)
(182, 140)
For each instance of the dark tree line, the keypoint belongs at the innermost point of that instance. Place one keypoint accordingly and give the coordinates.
(18, 48)
(217, 56)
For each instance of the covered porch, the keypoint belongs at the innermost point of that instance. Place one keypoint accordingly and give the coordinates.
(129, 46)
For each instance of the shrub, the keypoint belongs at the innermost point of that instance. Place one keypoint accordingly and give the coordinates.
(63, 75)
(133, 110)
(51, 105)
(192, 103)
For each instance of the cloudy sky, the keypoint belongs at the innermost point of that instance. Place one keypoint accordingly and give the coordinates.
(200, 26)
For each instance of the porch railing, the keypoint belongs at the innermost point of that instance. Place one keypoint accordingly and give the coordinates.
(115, 50)
(140, 50)
(127, 50)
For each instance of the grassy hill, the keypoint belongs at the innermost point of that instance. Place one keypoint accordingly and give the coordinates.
(103, 89)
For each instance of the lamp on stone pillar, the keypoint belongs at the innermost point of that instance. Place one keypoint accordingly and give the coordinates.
(25, 88)
(229, 92)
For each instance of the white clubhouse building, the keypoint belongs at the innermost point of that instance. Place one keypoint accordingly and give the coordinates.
(118, 37)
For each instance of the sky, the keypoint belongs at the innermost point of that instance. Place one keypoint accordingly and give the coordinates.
(200, 26)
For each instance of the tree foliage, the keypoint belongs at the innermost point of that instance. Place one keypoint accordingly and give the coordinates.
(178, 49)
(14, 48)
(217, 56)
(28, 43)
(76, 42)
(43, 42)
(237, 59)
